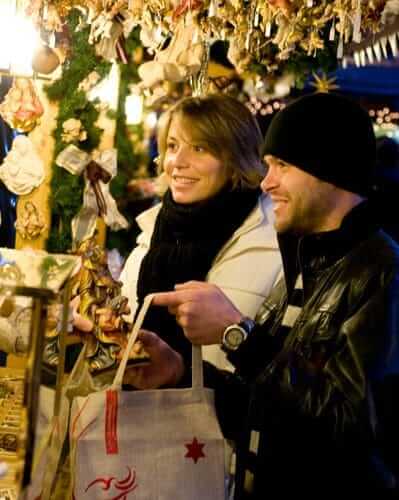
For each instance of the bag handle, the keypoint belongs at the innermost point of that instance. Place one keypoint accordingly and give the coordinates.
(117, 383)
(66, 295)
(197, 369)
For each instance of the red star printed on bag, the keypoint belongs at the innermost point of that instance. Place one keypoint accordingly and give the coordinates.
(195, 450)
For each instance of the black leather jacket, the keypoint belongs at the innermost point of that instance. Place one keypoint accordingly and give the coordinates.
(321, 404)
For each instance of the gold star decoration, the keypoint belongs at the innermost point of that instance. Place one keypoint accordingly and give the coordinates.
(323, 84)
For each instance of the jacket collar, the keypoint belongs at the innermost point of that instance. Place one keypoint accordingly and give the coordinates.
(318, 251)
(356, 226)
(146, 220)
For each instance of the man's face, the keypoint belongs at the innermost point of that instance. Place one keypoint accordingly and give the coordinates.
(302, 203)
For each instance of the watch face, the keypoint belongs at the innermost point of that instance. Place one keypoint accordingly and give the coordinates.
(234, 337)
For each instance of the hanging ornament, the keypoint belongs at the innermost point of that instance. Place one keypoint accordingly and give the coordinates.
(98, 171)
(22, 169)
(180, 60)
(377, 51)
(323, 84)
(21, 107)
(286, 6)
(213, 8)
(357, 36)
(383, 44)
(30, 224)
(331, 36)
(73, 131)
(45, 60)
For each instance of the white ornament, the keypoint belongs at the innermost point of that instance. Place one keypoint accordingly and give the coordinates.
(22, 170)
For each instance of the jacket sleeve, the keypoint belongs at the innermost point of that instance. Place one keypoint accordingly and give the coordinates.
(233, 390)
(352, 391)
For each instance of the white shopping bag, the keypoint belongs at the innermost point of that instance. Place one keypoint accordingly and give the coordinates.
(51, 432)
(147, 445)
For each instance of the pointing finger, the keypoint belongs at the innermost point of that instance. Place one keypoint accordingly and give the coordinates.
(190, 285)
(169, 299)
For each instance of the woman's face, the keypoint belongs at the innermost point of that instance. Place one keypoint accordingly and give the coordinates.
(193, 173)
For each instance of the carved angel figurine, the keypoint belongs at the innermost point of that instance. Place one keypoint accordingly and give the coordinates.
(21, 107)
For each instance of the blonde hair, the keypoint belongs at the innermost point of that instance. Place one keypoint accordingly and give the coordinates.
(226, 128)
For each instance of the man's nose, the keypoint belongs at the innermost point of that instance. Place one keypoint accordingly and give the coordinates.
(270, 181)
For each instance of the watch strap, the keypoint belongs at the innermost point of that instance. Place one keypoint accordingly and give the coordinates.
(247, 324)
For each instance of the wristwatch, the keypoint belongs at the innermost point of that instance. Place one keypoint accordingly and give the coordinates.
(235, 334)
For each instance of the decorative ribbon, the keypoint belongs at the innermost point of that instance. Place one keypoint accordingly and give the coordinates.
(97, 200)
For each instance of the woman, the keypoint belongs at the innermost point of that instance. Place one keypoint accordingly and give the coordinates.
(213, 223)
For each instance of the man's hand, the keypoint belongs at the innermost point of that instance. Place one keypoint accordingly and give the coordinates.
(165, 368)
(201, 309)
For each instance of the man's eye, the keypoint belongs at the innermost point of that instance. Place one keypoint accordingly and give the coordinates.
(282, 164)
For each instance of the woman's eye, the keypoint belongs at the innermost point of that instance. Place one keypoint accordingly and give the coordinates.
(199, 149)
(171, 146)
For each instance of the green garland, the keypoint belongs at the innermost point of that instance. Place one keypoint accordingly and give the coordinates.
(67, 189)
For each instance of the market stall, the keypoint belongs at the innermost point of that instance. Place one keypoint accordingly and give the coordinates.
(82, 93)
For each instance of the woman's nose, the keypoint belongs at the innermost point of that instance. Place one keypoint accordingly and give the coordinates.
(182, 158)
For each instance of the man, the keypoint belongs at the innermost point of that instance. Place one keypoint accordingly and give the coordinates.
(313, 405)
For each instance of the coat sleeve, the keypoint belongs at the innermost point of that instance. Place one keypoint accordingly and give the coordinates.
(130, 273)
(249, 265)
(246, 272)
(259, 271)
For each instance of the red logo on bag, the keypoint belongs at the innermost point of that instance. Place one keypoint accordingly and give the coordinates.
(125, 486)
(194, 450)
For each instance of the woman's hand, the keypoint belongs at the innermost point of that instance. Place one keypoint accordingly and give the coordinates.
(166, 367)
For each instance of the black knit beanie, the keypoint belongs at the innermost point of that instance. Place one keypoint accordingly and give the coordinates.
(329, 136)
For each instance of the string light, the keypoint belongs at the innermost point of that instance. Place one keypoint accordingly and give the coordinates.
(257, 106)
(384, 115)
(386, 122)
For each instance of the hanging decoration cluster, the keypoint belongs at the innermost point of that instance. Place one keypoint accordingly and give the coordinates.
(263, 36)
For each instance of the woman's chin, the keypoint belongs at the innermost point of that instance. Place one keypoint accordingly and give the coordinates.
(183, 196)
(183, 200)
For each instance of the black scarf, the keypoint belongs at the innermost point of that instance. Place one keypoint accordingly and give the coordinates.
(185, 242)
